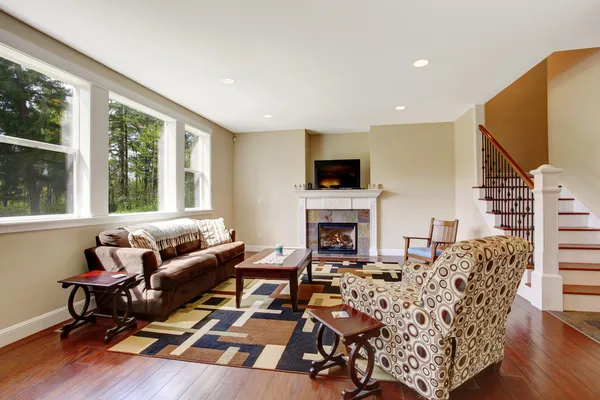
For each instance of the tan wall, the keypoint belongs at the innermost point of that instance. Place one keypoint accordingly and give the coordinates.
(336, 147)
(415, 164)
(267, 166)
(518, 118)
(471, 223)
(574, 121)
(32, 262)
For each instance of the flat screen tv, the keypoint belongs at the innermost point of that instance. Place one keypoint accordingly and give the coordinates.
(337, 174)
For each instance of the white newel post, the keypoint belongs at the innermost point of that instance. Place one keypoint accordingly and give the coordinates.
(546, 282)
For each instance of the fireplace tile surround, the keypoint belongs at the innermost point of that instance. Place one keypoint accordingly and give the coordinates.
(360, 217)
(352, 206)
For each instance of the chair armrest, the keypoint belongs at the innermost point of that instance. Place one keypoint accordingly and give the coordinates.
(232, 234)
(415, 237)
(414, 273)
(132, 260)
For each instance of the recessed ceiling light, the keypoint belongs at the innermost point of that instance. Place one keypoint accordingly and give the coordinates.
(420, 63)
(268, 116)
(228, 81)
(400, 108)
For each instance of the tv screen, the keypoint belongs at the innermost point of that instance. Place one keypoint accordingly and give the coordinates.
(337, 174)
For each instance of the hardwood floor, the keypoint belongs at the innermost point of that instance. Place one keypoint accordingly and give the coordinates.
(544, 359)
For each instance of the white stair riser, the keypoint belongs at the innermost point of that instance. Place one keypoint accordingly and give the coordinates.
(571, 277)
(580, 302)
(496, 193)
(579, 256)
(525, 221)
(565, 205)
(572, 220)
(582, 237)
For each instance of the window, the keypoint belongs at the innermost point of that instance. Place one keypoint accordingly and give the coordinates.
(197, 169)
(38, 142)
(133, 168)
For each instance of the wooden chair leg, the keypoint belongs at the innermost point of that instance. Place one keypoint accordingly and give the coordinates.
(406, 246)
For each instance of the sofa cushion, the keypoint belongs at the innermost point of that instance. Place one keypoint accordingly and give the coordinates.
(168, 253)
(115, 238)
(213, 232)
(188, 247)
(224, 252)
(179, 270)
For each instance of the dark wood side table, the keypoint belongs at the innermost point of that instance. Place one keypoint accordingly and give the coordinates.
(100, 283)
(355, 332)
(291, 269)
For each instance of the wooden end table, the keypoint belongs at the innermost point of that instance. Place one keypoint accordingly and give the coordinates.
(101, 283)
(355, 331)
(291, 269)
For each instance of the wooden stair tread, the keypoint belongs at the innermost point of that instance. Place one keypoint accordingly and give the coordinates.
(508, 228)
(573, 213)
(581, 289)
(569, 266)
(566, 199)
(528, 284)
(578, 229)
(494, 187)
(578, 246)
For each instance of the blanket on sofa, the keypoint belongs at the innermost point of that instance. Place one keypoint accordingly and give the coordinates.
(169, 233)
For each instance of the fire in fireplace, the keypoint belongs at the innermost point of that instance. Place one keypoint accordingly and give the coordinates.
(338, 238)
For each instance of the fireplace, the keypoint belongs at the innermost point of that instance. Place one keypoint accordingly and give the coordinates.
(338, 238)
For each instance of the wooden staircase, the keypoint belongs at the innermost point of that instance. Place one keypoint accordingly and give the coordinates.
(506, 193)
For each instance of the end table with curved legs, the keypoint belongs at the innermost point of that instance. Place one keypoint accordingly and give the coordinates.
(355, 332)
(114, 284)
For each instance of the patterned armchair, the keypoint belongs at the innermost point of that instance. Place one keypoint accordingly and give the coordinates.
(445, 322)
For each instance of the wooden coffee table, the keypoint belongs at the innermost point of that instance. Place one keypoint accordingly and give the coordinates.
(355, 332)
(291, 269)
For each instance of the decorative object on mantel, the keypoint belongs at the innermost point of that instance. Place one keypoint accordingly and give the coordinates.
(379, 186)
(309, 186)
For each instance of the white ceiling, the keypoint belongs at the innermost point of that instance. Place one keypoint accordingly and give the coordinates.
(325, 65)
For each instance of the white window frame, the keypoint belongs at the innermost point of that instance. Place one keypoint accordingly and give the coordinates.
(165, 157)
(73, 205)
(90, 180)
(201, 168)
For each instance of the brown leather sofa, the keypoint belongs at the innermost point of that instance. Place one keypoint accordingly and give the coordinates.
(185, 273)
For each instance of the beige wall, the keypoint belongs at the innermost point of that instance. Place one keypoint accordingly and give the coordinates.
(415, 164)
(574, 121)
(267, 165)
(471, 223)
(32, 262)
(336, 147)
(518, 118)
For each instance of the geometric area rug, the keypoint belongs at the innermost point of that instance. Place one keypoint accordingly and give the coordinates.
(264, 332)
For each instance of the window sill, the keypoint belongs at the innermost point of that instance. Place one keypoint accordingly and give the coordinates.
(27, 224)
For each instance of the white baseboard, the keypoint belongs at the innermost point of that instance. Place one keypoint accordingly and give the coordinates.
(39, 323)
(391, 252)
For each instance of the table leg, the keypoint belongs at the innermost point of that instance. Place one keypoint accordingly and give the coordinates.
(294, 290)
(365, 386)
(329, 359)
(78, 319)
(125, 322)
(239, 286)
(309, 268)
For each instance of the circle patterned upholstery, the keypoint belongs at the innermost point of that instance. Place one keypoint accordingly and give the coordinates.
(447, 321)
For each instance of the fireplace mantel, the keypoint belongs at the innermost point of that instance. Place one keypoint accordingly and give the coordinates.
(358, 199)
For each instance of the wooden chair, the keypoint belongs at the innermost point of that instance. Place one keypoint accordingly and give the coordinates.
(441, 235)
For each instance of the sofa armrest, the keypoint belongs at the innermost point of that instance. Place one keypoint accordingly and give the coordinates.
(414, 273)
(132, 260)
(232, 233)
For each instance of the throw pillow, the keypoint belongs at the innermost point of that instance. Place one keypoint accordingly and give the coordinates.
(213, 232)
(141, 239)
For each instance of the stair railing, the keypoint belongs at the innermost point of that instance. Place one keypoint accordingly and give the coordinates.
(508, 187)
